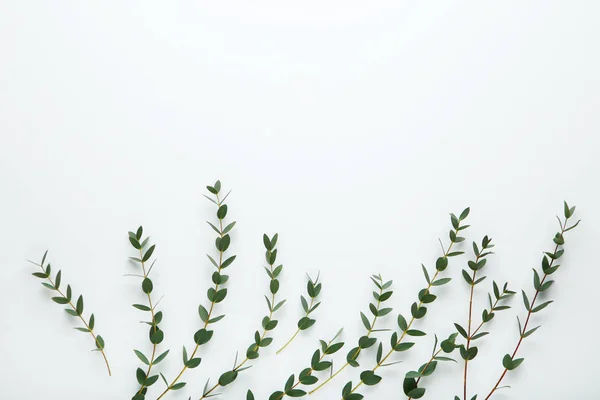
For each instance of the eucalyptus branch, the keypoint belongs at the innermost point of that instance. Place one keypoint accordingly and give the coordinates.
(366, 341)
(72, 309)
(418, 311)
(313, 288)
(509, 362)
(306, 376)
(487, 316)
(155, 334)
(215, 294)
(466, 351)
(412, 378)
(268, 323)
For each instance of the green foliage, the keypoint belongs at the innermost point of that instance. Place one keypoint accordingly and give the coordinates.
(404, 336)
(143, 254)
(268, 323)
(306, 377)
(313, 289)
(75, 310)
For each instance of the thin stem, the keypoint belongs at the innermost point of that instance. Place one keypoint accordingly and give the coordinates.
(312, 300)
(289, 341)
(384, 359)
(154, 345)
(358, 350)
(529, 312)
(425, 368)
(98, 345)
(212, 305)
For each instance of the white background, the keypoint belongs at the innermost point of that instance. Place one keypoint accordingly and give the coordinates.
(350, 128)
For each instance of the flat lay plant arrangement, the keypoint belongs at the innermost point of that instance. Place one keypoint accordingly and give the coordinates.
(459, 343)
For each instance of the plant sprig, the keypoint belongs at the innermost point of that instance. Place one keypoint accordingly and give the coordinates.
(215, 294)
(74, 310)
(366, 340)
(155, 334)
(412, 378)
(306, 376)
(466, 351)
(268, 323)
(418, 311)
(509, 362)
(313, 289)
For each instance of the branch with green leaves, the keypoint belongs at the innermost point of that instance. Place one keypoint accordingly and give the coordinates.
(366, 341)
(466, 351)
(418, 311)
(215, 294)
(74, 310)
(540, 284)
(313, 289)
(306, 376)
(412, 378)
(155, 334)
(268, 323)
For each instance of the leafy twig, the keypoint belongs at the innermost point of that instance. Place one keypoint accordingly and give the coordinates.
(313, 288)
(509, 362)
(366, 341)
(466, 351)
(155, 334)
(418, 311)
(268, 323)
(73, 310)
(412, 378)
(306, 376)
(215, 294)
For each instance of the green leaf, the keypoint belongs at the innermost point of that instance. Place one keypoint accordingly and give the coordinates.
(304, 323)
(465, 213)
(365, 321)
(541, 306)
(441, 282)
(57, 279)
(178, 386)
(369, 378)
(147, 286)
(461, 330)
(161, 357)
(148, 253)
(142, 357)
(426, 274)
(441, 263)
(140, 375)
(193, 363)
(203, 313)
(222, 212)
(156, 335)
(141, 307)
(228, 262)
(402, 323)
(60, 300)
(526, 301)
(79, 306)
(99, 342)
(134, 242)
